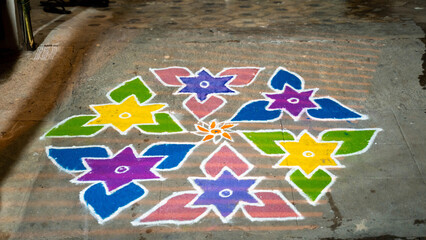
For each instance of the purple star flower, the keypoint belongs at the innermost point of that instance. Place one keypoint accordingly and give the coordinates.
(225, 192)
(204, 84)
(120, 170)
(292, 101)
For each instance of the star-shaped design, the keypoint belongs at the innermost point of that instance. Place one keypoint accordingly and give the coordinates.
(225, 193)
(308, 154)
(215, 131)
(119, 170)
(361, 226)
(204, 83)
(124, 115)
(292, 101)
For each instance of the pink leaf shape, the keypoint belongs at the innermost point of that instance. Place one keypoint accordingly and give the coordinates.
(226, 157)
(203, 109)
(168, 76)
(173, 210)
(277, 207)
(244, 76)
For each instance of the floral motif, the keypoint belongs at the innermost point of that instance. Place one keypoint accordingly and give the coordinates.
(120, 170)
(292, 101)
(291, 97)
(224, 190)
(215, 131)
(225, 193)
(129, 108)
(124, 115)
(308, 154)
(204, 84)
(205, 90)
(115, 180)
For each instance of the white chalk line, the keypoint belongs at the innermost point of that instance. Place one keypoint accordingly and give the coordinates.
(52, 21)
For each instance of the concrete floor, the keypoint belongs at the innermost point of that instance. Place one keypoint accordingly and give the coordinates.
(367, 55)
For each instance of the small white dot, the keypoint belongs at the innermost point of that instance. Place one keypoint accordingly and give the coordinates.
(121, 169)
(125, 115)
(293, 100)
(204, 84)
(308, 154)
(225, 193)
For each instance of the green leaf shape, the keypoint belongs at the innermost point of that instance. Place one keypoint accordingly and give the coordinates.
(265, 141)
(353, 140)
(133, 87)
(166, 124)
(313, 186)
(73, 127)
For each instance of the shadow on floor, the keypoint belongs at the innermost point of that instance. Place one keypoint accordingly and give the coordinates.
(58, 6)
(23, 127)
(8, 59)
(9, 53)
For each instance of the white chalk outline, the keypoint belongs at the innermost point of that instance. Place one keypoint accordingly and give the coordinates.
(138, 222)
(259, 69)
(47, 149)
(182, 85)
(320, 135)
(304, 195)
(92, 106)
(214, 76)
(69, 136)
(224, 102)
(262, 204)
(88, 169)
(211, 155)
(297, 139)
(239, 205)
(152, 70)
(108, 95)
(285, 69)
(252, 101)
(113, 102)
(363, 117)
(241, 133)
(304, 110)
(365, 149)
(216, 138)
(188, 154)
(157, 124)
(211, 207)
(111, 155)
(97, 216)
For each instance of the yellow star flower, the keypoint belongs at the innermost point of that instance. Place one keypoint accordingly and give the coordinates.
(308, 154)
(124, 115)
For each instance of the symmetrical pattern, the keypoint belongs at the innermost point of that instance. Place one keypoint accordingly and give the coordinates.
(129, 108)
(214, 131)
(308, 157)
(292, 98)
(204, 88)
(224, 190)
(115, 179)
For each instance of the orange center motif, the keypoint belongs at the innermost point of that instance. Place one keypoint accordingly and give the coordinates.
(216, 131)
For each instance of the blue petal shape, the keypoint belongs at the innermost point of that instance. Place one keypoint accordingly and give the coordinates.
(71, 159)
(256, 111)
(282, 77)
(331, 109)
(105, 206)
(176, 154)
